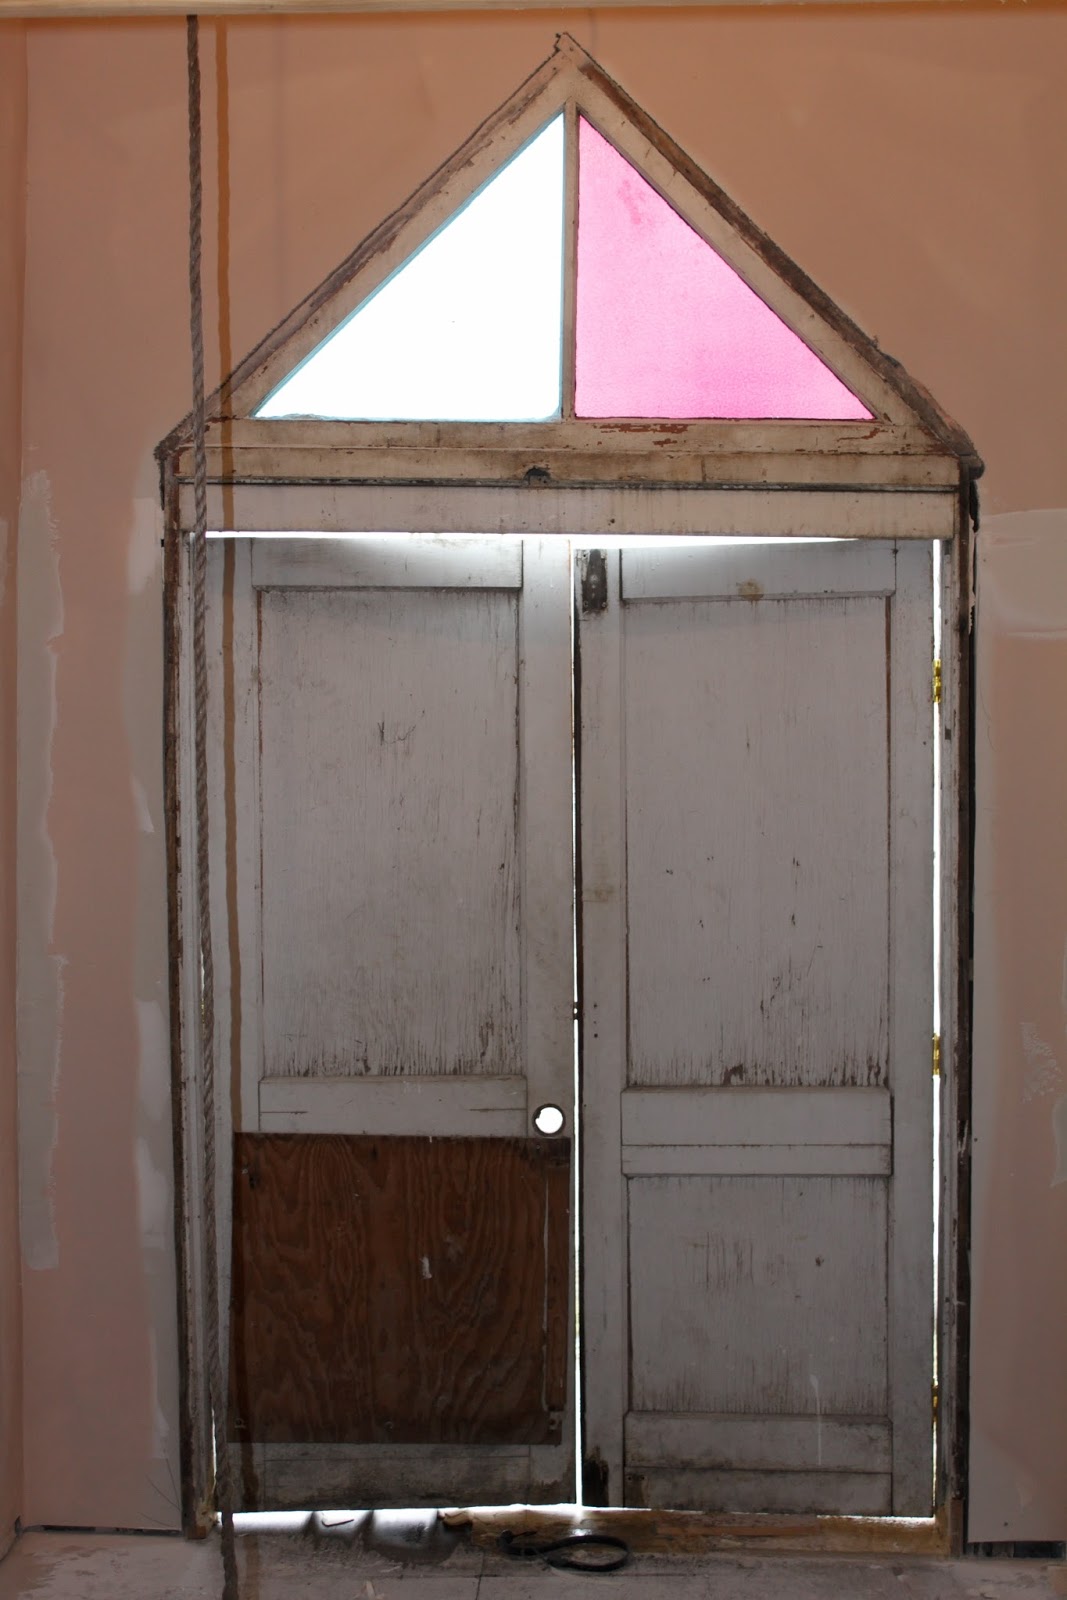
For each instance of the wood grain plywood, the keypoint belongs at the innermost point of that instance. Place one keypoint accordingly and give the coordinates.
(460, 1246)
(764, 1295)
(757, 842)
(390, 872)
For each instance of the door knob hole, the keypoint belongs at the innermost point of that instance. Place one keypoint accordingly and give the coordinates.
(548, 1119)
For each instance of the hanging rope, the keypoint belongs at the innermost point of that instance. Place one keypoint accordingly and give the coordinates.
(215, 1378)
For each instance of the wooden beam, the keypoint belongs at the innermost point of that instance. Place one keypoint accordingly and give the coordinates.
(85, 9)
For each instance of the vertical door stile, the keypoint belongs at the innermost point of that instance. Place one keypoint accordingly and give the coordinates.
(242, 799)
(546, 807)
(605, 1381)
(218, 622)
(911, 832)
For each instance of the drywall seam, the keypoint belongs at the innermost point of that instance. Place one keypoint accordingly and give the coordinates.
(40, 966)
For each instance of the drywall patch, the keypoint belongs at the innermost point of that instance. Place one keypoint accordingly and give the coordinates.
(1042, 1074)
(144, 555)
(140, 805)
(1024, 565)
(154, 1074)
(153, 1199)
(40, 964)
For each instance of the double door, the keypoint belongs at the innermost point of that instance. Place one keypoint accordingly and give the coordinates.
(418, 748)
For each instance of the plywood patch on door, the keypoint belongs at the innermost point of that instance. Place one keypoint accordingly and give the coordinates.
(399, 1290)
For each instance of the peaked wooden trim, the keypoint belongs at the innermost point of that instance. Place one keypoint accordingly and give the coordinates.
(915, 396)
(571, 76)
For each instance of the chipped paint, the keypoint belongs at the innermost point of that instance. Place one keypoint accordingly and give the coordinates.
(40, 964)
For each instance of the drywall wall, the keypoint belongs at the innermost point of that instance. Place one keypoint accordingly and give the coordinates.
(1018, 1365)
(907, 160)
(12, 253)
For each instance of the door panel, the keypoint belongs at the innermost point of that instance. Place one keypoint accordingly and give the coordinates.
(322, 1223)
(394, 910)
(756, 861)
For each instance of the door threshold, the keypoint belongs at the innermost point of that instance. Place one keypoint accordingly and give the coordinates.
(699, 1533)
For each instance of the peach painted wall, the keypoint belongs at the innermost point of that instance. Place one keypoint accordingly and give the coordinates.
(1019, 1362)
(911, 161)
(12, 253)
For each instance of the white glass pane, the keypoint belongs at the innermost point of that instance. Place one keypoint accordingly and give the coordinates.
(469, 328)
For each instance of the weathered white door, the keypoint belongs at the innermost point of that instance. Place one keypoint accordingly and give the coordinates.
(756, 910)
(392, 877)
(391, 825)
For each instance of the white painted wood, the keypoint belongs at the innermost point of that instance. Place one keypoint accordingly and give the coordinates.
(911, 1285)
(843, 1494)
(546, 815)
(391, 873)
(771, 759)
(604, 1313)
(392, 797)
(370, 562)
(755, 1159)
(331, 447)
(788, 1444)
(234, 800)
(220, 584)
(756, 1116)
(955, 619)
(570, 260)
(763, 1296)
(190, 1201)
(436, 1107)
(758, 571)
(752, 958)
(580, 513)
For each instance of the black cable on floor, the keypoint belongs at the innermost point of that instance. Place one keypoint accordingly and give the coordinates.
(576, 1552)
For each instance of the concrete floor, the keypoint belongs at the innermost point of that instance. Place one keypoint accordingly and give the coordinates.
(364, 1558)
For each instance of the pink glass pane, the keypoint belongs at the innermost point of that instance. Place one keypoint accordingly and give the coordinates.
(664, 327)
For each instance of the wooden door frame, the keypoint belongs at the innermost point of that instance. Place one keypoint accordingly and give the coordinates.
(908, 472)
(956, 825)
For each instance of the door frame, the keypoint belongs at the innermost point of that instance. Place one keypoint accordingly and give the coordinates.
(249, 508)
(908, 472)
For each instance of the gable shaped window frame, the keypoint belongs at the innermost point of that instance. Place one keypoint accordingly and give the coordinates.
(898, 475)
(908, 473)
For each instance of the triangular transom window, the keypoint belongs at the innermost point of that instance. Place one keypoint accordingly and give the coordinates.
(567, 315)
(472, 326)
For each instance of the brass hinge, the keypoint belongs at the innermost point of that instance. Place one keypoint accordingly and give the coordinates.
(935, 1055)
(934, 1397)
(935, 694)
